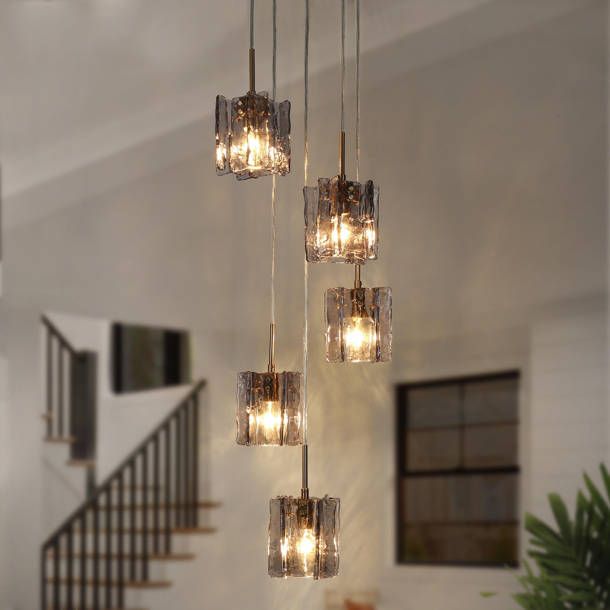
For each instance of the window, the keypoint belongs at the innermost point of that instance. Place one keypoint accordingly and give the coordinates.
(458, 473)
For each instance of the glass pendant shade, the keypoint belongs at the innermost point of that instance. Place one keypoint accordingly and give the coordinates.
(269, 409)
(252, 136)
(341, 221)
(358, 324)
(303, 537)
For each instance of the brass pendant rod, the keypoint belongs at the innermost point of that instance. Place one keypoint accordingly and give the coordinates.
(271, 365)
(342, 155)
(252, 70)
(357, 280)
(304, 449)
(305, 473)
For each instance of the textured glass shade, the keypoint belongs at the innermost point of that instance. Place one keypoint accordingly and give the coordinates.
(341, 221)
(303, 537)
(358, 324)
(269, 409)
(252, 136)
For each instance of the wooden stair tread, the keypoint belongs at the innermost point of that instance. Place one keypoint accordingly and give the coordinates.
(131, 584)
(81, 463)
(65, 440)
(150, 530)
(162, 505)
(194, 530)
(139, 487)
(76, 607)
(127, 556)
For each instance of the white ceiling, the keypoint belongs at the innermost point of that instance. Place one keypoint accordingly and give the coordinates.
(82, 79)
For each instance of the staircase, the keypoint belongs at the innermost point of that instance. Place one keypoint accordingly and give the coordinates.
(70, 396)
(128, 523)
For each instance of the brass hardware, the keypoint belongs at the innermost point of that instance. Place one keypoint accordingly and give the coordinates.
(271, 366)
(304, 474)
(252, 71)
(342, 156)
(357, 280)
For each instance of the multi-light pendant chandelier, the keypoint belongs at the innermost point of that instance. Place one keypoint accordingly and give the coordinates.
(341, 225)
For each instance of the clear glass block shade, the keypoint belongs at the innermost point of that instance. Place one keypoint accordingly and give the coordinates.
(358, 324)
(269, 408)
(252, 136)
(341, 221)
(303, 537)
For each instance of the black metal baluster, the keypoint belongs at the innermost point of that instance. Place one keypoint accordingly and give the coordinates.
(108, 547)
(56, 575)
(96, 555)
(60, 389)
(156, 490)
(121, 559)
(69, 569)
(175, 468)
(132, 521)
(43, 578)
(145, 532)
(168, 491)
(195, 493)
(188, 503)
(179, 468)
(82, 573)
(50, 414)
(183, 467)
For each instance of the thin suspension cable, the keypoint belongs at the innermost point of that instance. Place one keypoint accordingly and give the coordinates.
(251, 24)
(304, 482)
(306, 102)
(274, 61)
(273, 181)
(342, 65)
(357, 90)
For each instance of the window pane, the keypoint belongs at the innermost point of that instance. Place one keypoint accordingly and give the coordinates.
(490, 446)
(460, 499)
(433, 449)
(491, 401)
(460, 543)
(431, 407)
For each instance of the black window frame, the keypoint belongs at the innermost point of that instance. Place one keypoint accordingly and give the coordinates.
(402, 406)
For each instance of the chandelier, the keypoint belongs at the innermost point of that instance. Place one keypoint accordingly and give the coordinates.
(358, 323)
(341, 225)
(253, 130)
(269, 405)
(303, 537)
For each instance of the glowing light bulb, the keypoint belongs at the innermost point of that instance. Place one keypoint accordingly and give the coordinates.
(306, 548)
(267, 421)
(360, 338)
(341, 234)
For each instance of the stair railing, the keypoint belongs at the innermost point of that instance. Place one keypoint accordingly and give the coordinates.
(114, 534)
(71, 394)
(59, 355)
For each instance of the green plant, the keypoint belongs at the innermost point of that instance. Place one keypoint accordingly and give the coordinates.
(573, 559)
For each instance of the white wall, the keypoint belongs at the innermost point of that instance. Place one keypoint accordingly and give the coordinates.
(492, 166)
(4, 471)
